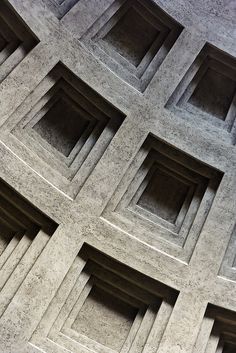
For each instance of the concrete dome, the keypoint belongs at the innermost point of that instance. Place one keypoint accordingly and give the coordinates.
(118, 176)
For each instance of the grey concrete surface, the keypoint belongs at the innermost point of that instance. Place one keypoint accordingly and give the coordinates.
(117, 178)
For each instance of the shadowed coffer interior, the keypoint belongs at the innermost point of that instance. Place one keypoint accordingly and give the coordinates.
(62, 126)
(164, 195)
(214, 94)
(108, 307)
(24, 232)
(132, 36)
(117, 127)
(218, 331)
(207, 92)
(111, 316)
(16, 40)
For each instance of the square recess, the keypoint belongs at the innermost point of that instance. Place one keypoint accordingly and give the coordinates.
(207, 93)
(24, 232)
(133, 38)
(60, 7)
(16, 40)
(67, 125)
(112, 323)
(164, 195)
(106, 307)
(218, 332)
(62, 126)
(164, 198)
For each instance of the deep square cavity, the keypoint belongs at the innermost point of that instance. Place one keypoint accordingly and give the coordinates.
(132, 36)
(16, 40)
(62, 126)
(206, 95)
(164, 196)
(105, 318)
(214, 94)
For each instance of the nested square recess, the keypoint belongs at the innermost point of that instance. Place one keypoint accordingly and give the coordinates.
(24, 233)
(207, 93)
(16, 40)
(164, 198)
(214, 94)
(218, 331)
(112, 318)
(106, 307)
(164, 195)
(67, 125)
(62, 125)
(133, 38)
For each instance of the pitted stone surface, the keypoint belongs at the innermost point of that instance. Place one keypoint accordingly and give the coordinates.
(117, 178)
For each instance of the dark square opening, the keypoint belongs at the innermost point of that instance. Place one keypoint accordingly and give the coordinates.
(214, 94)
(164, 196)
(105, 318)
(132, 36)
(62, 126)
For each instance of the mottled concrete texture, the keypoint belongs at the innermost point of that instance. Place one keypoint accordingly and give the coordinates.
(118, 176)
